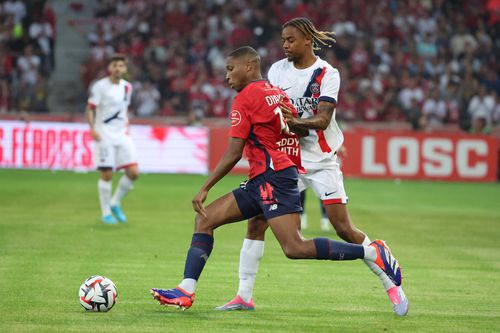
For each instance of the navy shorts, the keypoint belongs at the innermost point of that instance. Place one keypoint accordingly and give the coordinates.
(273, 193)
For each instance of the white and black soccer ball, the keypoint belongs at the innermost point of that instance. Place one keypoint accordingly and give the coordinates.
(98, 293)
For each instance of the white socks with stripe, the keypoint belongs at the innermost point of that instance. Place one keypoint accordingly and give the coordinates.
(104, 189)
(386, 282)
(124, 185)
(250, 255)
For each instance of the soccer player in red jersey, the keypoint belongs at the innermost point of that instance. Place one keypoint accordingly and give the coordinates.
(257, 125)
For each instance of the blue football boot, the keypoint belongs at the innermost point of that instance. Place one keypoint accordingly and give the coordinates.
(109, 219)
(118, 213)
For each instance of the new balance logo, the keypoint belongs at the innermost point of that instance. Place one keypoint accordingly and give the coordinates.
(273, 207)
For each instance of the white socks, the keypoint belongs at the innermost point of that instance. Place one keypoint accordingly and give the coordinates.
(124, 185)
(250, 255)
(104, 189)
(371, 253)
(188, 285)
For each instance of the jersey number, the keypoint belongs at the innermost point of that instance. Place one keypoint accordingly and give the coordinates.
(283, 124)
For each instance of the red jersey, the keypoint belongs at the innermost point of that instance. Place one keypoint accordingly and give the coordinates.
(255, 116)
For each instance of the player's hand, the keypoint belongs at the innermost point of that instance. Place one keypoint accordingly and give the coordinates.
(287, 113)
(198, 201)
(95, 135)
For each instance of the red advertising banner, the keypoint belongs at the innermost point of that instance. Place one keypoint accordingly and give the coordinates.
(69, 146)
(405, 155)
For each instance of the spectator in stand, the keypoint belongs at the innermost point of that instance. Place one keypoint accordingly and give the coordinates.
(101, 51)
(147, 99)
(29, 66)
(370, 107)
(496, 110)
(41, 32)
(433, 111)
(481, 109)
(16, 8)
(410, 98)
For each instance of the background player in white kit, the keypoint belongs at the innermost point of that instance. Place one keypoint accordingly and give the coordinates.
(106, 111)
(312, 85)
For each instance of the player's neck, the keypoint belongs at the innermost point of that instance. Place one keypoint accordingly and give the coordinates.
(114, 80)
(306, 61)
(253, 79)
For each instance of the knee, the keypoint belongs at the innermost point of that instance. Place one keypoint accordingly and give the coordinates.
(199, 222)
(292, 251)
(257, 228)
(107, 175)
(132, 174)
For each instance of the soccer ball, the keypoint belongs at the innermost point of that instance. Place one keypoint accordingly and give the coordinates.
(98, 293)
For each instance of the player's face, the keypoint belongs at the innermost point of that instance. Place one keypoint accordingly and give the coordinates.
(295, 43)
(236, 73)
(117, 69)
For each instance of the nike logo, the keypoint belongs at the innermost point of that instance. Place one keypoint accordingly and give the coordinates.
(285, 89)
(328, 194)
(115, 116)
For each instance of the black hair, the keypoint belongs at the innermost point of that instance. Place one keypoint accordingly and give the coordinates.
(244, 51)
(319, 38)
(118, 57)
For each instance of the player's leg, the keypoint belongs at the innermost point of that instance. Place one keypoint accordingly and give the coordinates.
(330, 181)
(222, 211)
(303, 215)
(325, 222)
(251, 253)
(126, 158)
(296, 247)
(105, 163)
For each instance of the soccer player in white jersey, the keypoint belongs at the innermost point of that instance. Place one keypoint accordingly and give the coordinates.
(107, 109)
(313, 85)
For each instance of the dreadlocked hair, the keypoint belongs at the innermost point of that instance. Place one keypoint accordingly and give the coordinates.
(319, 38)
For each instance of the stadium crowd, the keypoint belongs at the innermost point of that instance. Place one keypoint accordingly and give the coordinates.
(432, 63)
(27, 35)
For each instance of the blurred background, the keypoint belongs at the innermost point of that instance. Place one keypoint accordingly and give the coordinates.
(425, 66)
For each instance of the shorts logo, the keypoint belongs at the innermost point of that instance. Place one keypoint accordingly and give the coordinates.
(315, 88)
(235, 118)
(267, 195)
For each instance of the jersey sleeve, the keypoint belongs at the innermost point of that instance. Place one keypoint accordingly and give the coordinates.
(240, 120)
(330, 86)
(129, 91)
(95, 95)
(272, 75)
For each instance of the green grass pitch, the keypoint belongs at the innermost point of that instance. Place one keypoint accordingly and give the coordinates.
(445, 235)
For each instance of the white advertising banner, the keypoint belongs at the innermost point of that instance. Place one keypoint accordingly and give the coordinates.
(69, 146)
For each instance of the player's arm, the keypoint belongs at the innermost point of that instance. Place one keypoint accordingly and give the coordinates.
(318, 122)
(90, 114)
(229, 159)
(299, 132)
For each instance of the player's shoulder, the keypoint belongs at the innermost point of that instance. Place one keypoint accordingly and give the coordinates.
(329, 68)
(100, 83)
(280, 65)
(125, 83)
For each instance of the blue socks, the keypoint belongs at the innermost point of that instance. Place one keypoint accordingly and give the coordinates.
(197, 256)
(327, 249)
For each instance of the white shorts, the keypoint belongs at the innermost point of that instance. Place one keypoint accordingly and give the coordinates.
(327, 184)
(117, 155)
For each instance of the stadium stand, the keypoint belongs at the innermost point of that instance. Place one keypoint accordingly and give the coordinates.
(27, 36)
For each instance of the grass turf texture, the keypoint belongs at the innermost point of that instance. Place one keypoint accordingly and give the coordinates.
(445, 236)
